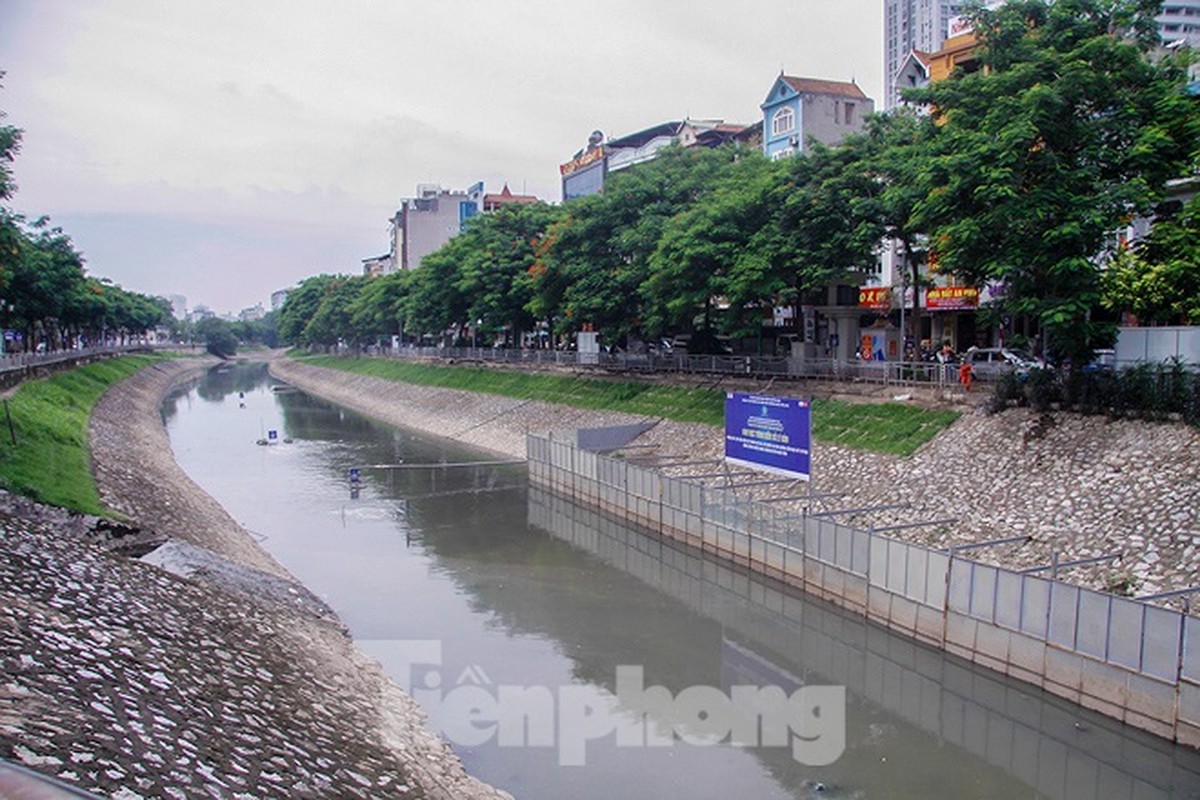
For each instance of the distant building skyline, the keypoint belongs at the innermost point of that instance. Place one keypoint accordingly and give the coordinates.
(910, 25)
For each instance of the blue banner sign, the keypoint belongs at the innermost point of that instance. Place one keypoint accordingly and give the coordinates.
(769, 433)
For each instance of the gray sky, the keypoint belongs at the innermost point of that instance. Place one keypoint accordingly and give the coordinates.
(222, 150)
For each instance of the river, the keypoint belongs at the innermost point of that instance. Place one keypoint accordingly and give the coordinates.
(527, 625)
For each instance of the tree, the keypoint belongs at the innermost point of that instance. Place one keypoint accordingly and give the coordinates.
(263, 331)
(45, 291)
(894, 148)
(828, 226)
(1158, 280)
(434, 303)
(767, 233)
(46, 274)
(378, 311)
(598, 256)
(10, 228)
(494, 276)
(330, 324)
(1068, 130)
(719, 249)
(301, 305)
(10, 144)
(218, 337)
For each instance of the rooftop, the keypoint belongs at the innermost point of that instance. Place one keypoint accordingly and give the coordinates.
(819, 86)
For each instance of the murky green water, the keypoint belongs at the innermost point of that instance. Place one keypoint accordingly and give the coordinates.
(509, 613)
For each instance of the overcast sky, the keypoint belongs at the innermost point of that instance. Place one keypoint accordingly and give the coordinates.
(222, 150)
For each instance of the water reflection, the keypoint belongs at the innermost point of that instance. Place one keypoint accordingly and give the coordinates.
(526, 589)
(1050, 745)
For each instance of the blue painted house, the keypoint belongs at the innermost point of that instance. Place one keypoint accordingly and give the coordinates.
(799, 109)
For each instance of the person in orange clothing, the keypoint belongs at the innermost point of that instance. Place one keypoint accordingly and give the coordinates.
(964, 374)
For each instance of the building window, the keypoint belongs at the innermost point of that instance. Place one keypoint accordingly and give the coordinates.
(783, 121)
(848, 109)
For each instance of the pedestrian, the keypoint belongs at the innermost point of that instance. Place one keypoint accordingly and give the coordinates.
(964, 374)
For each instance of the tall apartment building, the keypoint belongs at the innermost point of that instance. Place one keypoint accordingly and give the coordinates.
(1180, 21)
(912, 25)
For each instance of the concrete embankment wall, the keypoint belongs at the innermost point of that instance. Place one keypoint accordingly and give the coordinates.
(1129, 660)
(1033, 736)
(488, 422)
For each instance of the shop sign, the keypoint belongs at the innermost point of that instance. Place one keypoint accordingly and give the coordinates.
(951, 298)
(878, 298)
(576, 164)
(957, 26)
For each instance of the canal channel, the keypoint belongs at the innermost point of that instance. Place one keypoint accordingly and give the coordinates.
(480, 593)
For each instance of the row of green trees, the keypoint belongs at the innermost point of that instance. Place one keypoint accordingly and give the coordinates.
(45, 293)
(1016, 177)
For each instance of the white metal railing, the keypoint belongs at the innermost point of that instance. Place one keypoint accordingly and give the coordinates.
(887, 373)
(10, 362)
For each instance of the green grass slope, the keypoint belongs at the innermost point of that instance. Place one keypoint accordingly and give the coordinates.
(50, 460)
(881, 428)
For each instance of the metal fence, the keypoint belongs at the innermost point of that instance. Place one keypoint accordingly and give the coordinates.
(883, 372)
(1157, 345)
(17, 367)
(1128, 658)
(10, 362)
(1117, 630)
(1032, 737)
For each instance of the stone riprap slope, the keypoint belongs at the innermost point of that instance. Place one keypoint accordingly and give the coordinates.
(137, 476)
(488, 422)
(130, 680)
(1079, 486)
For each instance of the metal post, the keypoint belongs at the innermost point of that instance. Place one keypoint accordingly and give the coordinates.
(1055, 566)
(993, 543)
(861, 510)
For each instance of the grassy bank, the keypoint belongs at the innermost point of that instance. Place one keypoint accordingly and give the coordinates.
(882, 428)
(50, 461)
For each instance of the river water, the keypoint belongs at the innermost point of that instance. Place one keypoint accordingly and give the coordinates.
(510, 613)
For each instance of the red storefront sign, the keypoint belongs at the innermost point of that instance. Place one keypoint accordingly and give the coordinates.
(878, 298)
(951, 298)
(575, 164)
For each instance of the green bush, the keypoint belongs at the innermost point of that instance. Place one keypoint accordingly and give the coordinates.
(1042, 388)
(1146, 391)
